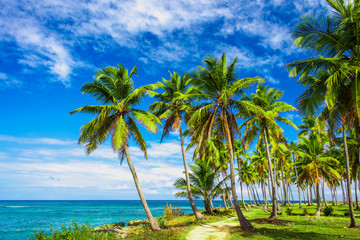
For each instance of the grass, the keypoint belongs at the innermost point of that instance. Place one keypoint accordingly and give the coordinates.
(291, 224)
(297, 226)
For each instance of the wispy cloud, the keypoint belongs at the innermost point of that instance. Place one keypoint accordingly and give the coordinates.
(61, 165)
(47, 32)
(7, 81)
(45, 141)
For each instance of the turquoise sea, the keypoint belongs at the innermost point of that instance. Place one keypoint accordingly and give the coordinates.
(19, 219)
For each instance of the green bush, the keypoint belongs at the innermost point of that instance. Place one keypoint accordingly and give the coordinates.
(328, 211)
(305, 211)
(75, 231)
(347, 213)
(161, 221)
(289, 211)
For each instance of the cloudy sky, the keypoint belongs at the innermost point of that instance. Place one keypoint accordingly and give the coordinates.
(50, 48)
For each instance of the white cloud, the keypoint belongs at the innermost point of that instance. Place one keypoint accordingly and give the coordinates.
(271, 79)
(40, 46)
(7, 81)
(160, 31)
(247, 59)
(45, 141)
(293, 116)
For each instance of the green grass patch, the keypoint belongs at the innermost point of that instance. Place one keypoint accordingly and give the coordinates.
(297, 226)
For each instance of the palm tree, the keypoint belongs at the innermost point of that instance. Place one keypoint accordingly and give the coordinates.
(336, 37)
(217, 110)
(203, 183)
(172, 105)
(259, 160)
(315, 164)
(247, 175)
(261, 111)
(116, 117)
(293, 149)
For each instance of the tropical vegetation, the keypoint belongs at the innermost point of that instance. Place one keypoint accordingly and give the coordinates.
(239, 122)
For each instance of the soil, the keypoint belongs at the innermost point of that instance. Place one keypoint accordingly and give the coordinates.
(213, 231)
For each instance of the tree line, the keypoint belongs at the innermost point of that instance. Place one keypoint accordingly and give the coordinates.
(222, 121)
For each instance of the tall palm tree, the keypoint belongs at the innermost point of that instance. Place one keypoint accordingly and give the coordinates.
(172, 105)
(261, 111)
(220, 86)
(315, 164)
(113, 87)
(293, 149)
(335, 39)
(247, 175)
(259, 160)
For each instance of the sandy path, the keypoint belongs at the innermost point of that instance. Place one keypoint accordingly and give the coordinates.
(213, 231)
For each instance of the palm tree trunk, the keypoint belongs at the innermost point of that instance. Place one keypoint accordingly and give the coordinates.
(318, 209)
(256, 195)
(197, 214)
(247, 186)
(252, 192)
(307, 193)
(311, 197)
(207, 206)
(211, 204)
(274, 202)
(227, 193)
(298, 186)
(153, 224)
(323, 192)
(343, 192)
(284, 185)
(332, 195)
(303, 191)
(353, 222)
(356, 190)
(264, 194)
(335, 194)
(269, 186)
(290, 193)
(223, 193)
(244, 223)
(242, 197)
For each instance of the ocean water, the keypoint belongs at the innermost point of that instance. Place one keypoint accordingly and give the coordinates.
(19, 219)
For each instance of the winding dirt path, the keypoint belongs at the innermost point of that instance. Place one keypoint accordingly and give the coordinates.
(213, 231)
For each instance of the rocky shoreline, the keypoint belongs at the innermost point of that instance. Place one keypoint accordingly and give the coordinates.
(122, 230)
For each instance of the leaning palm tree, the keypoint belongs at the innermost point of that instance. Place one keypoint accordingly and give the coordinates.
(261, 111)
(172, 105)
(113, 87)
(217, 109)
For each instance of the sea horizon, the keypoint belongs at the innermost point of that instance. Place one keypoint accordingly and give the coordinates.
(20, 218)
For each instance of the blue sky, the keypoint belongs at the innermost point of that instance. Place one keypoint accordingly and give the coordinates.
(50, 48)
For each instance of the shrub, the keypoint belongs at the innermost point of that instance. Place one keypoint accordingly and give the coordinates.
(289, 211)
(170, 213)
(242, 205)
(328, 211)
(305, 211)
(161, 221)
(75, 231)
(347, 213)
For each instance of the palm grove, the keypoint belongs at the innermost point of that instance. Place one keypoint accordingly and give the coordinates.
(211, 107)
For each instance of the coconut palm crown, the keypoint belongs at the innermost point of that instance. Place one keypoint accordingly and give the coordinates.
(116, 118)
(172, 105)
(220, 86)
